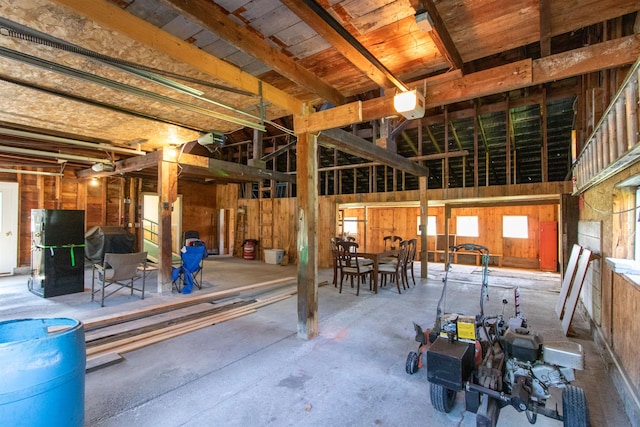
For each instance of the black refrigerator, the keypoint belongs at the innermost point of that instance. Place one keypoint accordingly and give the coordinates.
(57, 252)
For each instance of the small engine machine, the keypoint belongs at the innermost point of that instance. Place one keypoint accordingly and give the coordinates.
(498, 361)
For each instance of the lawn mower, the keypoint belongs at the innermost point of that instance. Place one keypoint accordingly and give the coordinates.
(498, 361)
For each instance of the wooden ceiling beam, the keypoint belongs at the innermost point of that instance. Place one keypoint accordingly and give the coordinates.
(214, 18)
(111, 16)
(440, 35)
(349, 143)
(196, 165)
(346, 49)
(525, 73)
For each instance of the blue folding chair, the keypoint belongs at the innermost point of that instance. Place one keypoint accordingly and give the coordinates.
(189, 273)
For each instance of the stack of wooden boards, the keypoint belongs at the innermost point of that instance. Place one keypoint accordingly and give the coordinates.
(572, 285)
(109, 336)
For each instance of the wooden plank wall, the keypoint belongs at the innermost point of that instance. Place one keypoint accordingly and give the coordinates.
(519, 253)
(403, 221)
(607, 204)
(625, 307)
(199, 210)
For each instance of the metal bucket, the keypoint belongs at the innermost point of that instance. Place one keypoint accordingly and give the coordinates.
(42, 371)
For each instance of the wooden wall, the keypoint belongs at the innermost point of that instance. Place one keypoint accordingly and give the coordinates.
(619, 297)
(515, 252)
(625, 304)
(105, 205)
(375, 222)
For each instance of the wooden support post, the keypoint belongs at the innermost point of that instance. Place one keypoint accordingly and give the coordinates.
(545, 135)
(508, 143)
(307, 186)
(424, 215)
(168, 194)
(475, 147)
(447, 218)
(445, 175)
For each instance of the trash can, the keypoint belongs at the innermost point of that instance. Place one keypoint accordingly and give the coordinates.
(42, 366)
(249, 249)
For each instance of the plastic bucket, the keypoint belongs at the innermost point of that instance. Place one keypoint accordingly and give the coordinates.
(42, 371)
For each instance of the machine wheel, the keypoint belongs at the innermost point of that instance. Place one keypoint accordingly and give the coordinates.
(574, 407)
(412, 363)
(442, 398)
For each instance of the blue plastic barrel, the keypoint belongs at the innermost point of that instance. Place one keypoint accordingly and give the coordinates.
(42, 372)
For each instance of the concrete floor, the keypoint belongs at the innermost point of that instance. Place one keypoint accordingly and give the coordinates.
(254, 370)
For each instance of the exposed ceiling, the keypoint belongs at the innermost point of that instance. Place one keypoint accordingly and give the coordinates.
(142, 74)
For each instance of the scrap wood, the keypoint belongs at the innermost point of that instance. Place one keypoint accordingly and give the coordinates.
(97, 354)
(103, 361)
(102, 321)
(164, 335)
(92, 349)
(151, 323)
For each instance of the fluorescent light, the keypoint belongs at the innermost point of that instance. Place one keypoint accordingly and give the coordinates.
(410, 104)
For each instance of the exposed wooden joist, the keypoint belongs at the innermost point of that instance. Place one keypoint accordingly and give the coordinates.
(545, 28)
(436, 156)
(349, 143)
(614, 53)
(345, 48)
(197, 165)
(441, 36)
(113, 17)
(216, 20)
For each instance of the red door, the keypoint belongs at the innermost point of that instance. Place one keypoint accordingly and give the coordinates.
(548, 245)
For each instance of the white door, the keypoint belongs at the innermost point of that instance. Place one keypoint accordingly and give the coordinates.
(8, 227)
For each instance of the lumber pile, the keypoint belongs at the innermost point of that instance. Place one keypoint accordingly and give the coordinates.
(107, 338)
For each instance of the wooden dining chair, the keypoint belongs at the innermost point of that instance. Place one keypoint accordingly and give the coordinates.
(334, 255)
(408, 263)
(349, 266)
(394, 271)
(392, 241)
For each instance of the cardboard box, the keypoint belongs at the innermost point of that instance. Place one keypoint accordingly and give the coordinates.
(273, 256)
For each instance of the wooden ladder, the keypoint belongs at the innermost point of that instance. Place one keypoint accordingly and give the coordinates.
(266, 224)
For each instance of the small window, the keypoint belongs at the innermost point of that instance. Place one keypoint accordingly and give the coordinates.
(350, 226)
(467, 226)
(515, 226)
(431, 225)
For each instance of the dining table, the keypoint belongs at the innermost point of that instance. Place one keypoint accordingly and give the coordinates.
(376, 257)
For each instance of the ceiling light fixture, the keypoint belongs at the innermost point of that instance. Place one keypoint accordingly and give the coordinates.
(410, 104)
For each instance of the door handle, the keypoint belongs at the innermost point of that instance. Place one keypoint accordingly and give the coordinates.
(8, 233)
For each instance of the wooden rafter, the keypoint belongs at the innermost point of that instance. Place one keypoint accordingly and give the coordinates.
(525, 73)
(349, 143)
(195, 165)
(113, 17)
(216, 20)
(545, 28)
(353, 55)
(441, 36)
